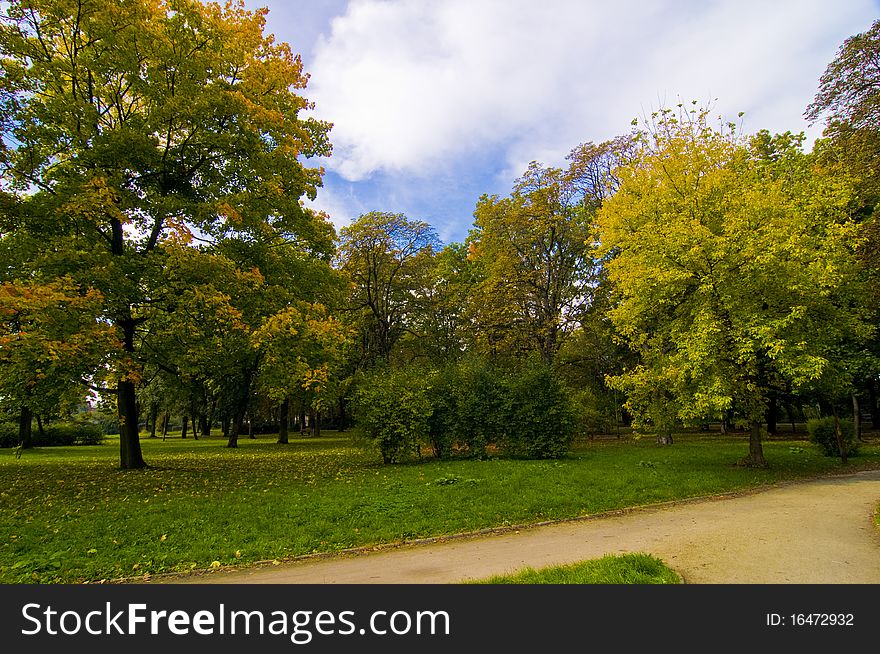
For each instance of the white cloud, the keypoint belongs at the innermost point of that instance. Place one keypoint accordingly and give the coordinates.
(343, 208)
(412, 85)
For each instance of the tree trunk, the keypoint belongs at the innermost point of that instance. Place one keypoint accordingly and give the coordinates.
(755, 459)
(154, 415)
(40, 429)
(130, 457)
(164, 426)
(25, 421)
(184, 427)
(342, 425)
(302, 422)
(857, 417)
(283, 421)
(224, 424)
(194, 421)
(235, 429)
(250, 422)
(841, 445)
(313, 423)
(204, 426)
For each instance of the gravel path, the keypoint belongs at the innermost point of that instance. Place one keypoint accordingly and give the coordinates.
(820, 531)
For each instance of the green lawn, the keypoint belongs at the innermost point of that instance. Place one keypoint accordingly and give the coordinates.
(612, 569)
(69, 515)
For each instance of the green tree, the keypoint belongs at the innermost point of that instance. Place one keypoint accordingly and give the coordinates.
(134, 122)
(848, 99)
(731, 272)
(388, 258)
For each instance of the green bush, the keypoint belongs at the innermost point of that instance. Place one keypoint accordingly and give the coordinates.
(55, 434)
(393, 407)
(542, 417)
(469, 405)
(823, 433)
(470, 408)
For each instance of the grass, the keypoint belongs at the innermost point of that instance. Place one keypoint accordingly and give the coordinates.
(612, 569)
(69, 515)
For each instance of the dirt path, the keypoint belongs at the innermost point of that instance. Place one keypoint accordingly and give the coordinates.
(815, 532)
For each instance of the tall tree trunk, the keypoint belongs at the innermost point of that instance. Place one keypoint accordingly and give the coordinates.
(165, 420)
(302, 422)
(25, 420)
(755, 459)
(857, 417)
(250, 421)
(194, 421)
(184, 426)
(40, 429)
(130, 457)
(224, 425)
(283, 421)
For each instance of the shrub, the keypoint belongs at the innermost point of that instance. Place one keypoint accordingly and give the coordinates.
(393, 407)
(470, 407)
(822, 432)
(55, 434)
(542, 417)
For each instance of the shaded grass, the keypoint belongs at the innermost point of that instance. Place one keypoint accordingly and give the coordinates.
(611, 569)
(70, 515)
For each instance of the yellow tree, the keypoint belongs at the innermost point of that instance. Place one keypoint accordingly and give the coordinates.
(731, 270)
(132, 121)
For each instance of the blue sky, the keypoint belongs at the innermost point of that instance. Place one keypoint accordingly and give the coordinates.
(435, 102)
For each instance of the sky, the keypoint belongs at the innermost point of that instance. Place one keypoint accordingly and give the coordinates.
(436, 102)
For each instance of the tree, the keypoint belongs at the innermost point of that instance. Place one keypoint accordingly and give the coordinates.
(535, 252)
(134, 122)
(848, 99)
(731, 272)
(388, 258)
(300, 347)
(51, 344)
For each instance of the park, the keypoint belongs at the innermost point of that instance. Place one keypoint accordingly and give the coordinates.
(202, 375)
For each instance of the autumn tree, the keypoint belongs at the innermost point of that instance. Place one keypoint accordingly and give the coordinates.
(535, 251)
(138, 121)
(388, 258)
(52, 344)
(730, 271)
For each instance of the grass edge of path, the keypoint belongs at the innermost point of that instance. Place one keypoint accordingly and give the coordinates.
(168, 577)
